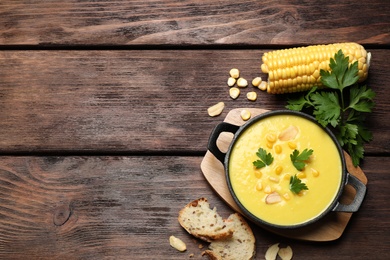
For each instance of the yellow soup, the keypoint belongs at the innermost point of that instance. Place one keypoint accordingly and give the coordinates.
(265, 192)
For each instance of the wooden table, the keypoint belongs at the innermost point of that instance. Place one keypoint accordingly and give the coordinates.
(104, 125)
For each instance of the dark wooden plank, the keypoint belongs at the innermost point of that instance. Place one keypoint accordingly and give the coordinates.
(127, 207)
(227, 22)
(137, 101)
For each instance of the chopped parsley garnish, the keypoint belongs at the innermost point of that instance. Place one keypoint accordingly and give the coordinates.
(298, 159)
(342, 105)
(265, 158)
(296, 185)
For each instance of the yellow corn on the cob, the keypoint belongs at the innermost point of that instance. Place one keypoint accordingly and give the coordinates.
(298, 69)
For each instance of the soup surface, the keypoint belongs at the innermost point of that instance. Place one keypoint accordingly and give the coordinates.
(266, 191)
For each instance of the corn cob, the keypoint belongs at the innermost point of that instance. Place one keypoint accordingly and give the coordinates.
(298, 69)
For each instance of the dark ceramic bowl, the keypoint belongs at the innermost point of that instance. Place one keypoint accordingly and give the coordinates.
(335, 206)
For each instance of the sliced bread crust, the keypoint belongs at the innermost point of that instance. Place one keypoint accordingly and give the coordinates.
(203, 222)
(242, 245)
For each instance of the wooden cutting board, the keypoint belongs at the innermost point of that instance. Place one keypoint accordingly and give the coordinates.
(329, 228)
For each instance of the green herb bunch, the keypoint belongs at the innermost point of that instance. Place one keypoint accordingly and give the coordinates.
(343, 105)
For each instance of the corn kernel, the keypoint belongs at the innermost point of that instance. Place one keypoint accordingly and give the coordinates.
(274, 179)
(252, 96)
(268, 189)
(259, 186)
(234, 73)
(245, 114)
(269, 145)
(258, 174)
(292, 145)
(278, 169)
(314, 172)
(286, 196)
(242, 83)
(263, 85)
(231, 81)
(234, 92)
(287, 176)
(271, 138)
(256, 82)
(264, 67)
(301, 175)
(278, 149)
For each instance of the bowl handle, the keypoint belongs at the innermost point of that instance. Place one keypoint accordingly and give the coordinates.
(212, 145)
(357, 201)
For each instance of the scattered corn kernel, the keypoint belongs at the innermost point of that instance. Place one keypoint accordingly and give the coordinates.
(259, 186)
(274, 179)
(286, 196)
(292, 145)
(234, 73)
(287, 176)
(231, 81)
(271, 138)
(301, 175)
(216, 109)
(234, 92)
(268, 189)
(278, 149)
(245, 114)
(315, 172)
(269, 145)
(242, 83)
(278, 169)
(256, 82)
(252, 96)
(263, 86)
(258, 174)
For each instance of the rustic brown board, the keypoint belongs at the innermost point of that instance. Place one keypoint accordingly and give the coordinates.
(134, 101)
(327, 229)
(126, 208)
(174, 22)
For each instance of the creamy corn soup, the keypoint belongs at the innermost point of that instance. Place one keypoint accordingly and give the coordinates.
(265, 191)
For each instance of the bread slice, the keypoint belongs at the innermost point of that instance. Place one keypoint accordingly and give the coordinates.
(240, 246)
(203, 222)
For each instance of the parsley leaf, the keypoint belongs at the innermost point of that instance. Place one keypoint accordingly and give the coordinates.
(361, 99)
(296, 185)
(327, 108)
(265, 158)
(302, 102)
(298, 159)
(342, 105)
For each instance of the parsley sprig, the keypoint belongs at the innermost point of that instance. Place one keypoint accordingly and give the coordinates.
(298, 159)
(343, 105)
(296, 185)
(265, 158)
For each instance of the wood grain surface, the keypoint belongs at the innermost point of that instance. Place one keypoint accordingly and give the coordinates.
(104, 125)
(174, 22)
(127, 207)
(136, 100)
